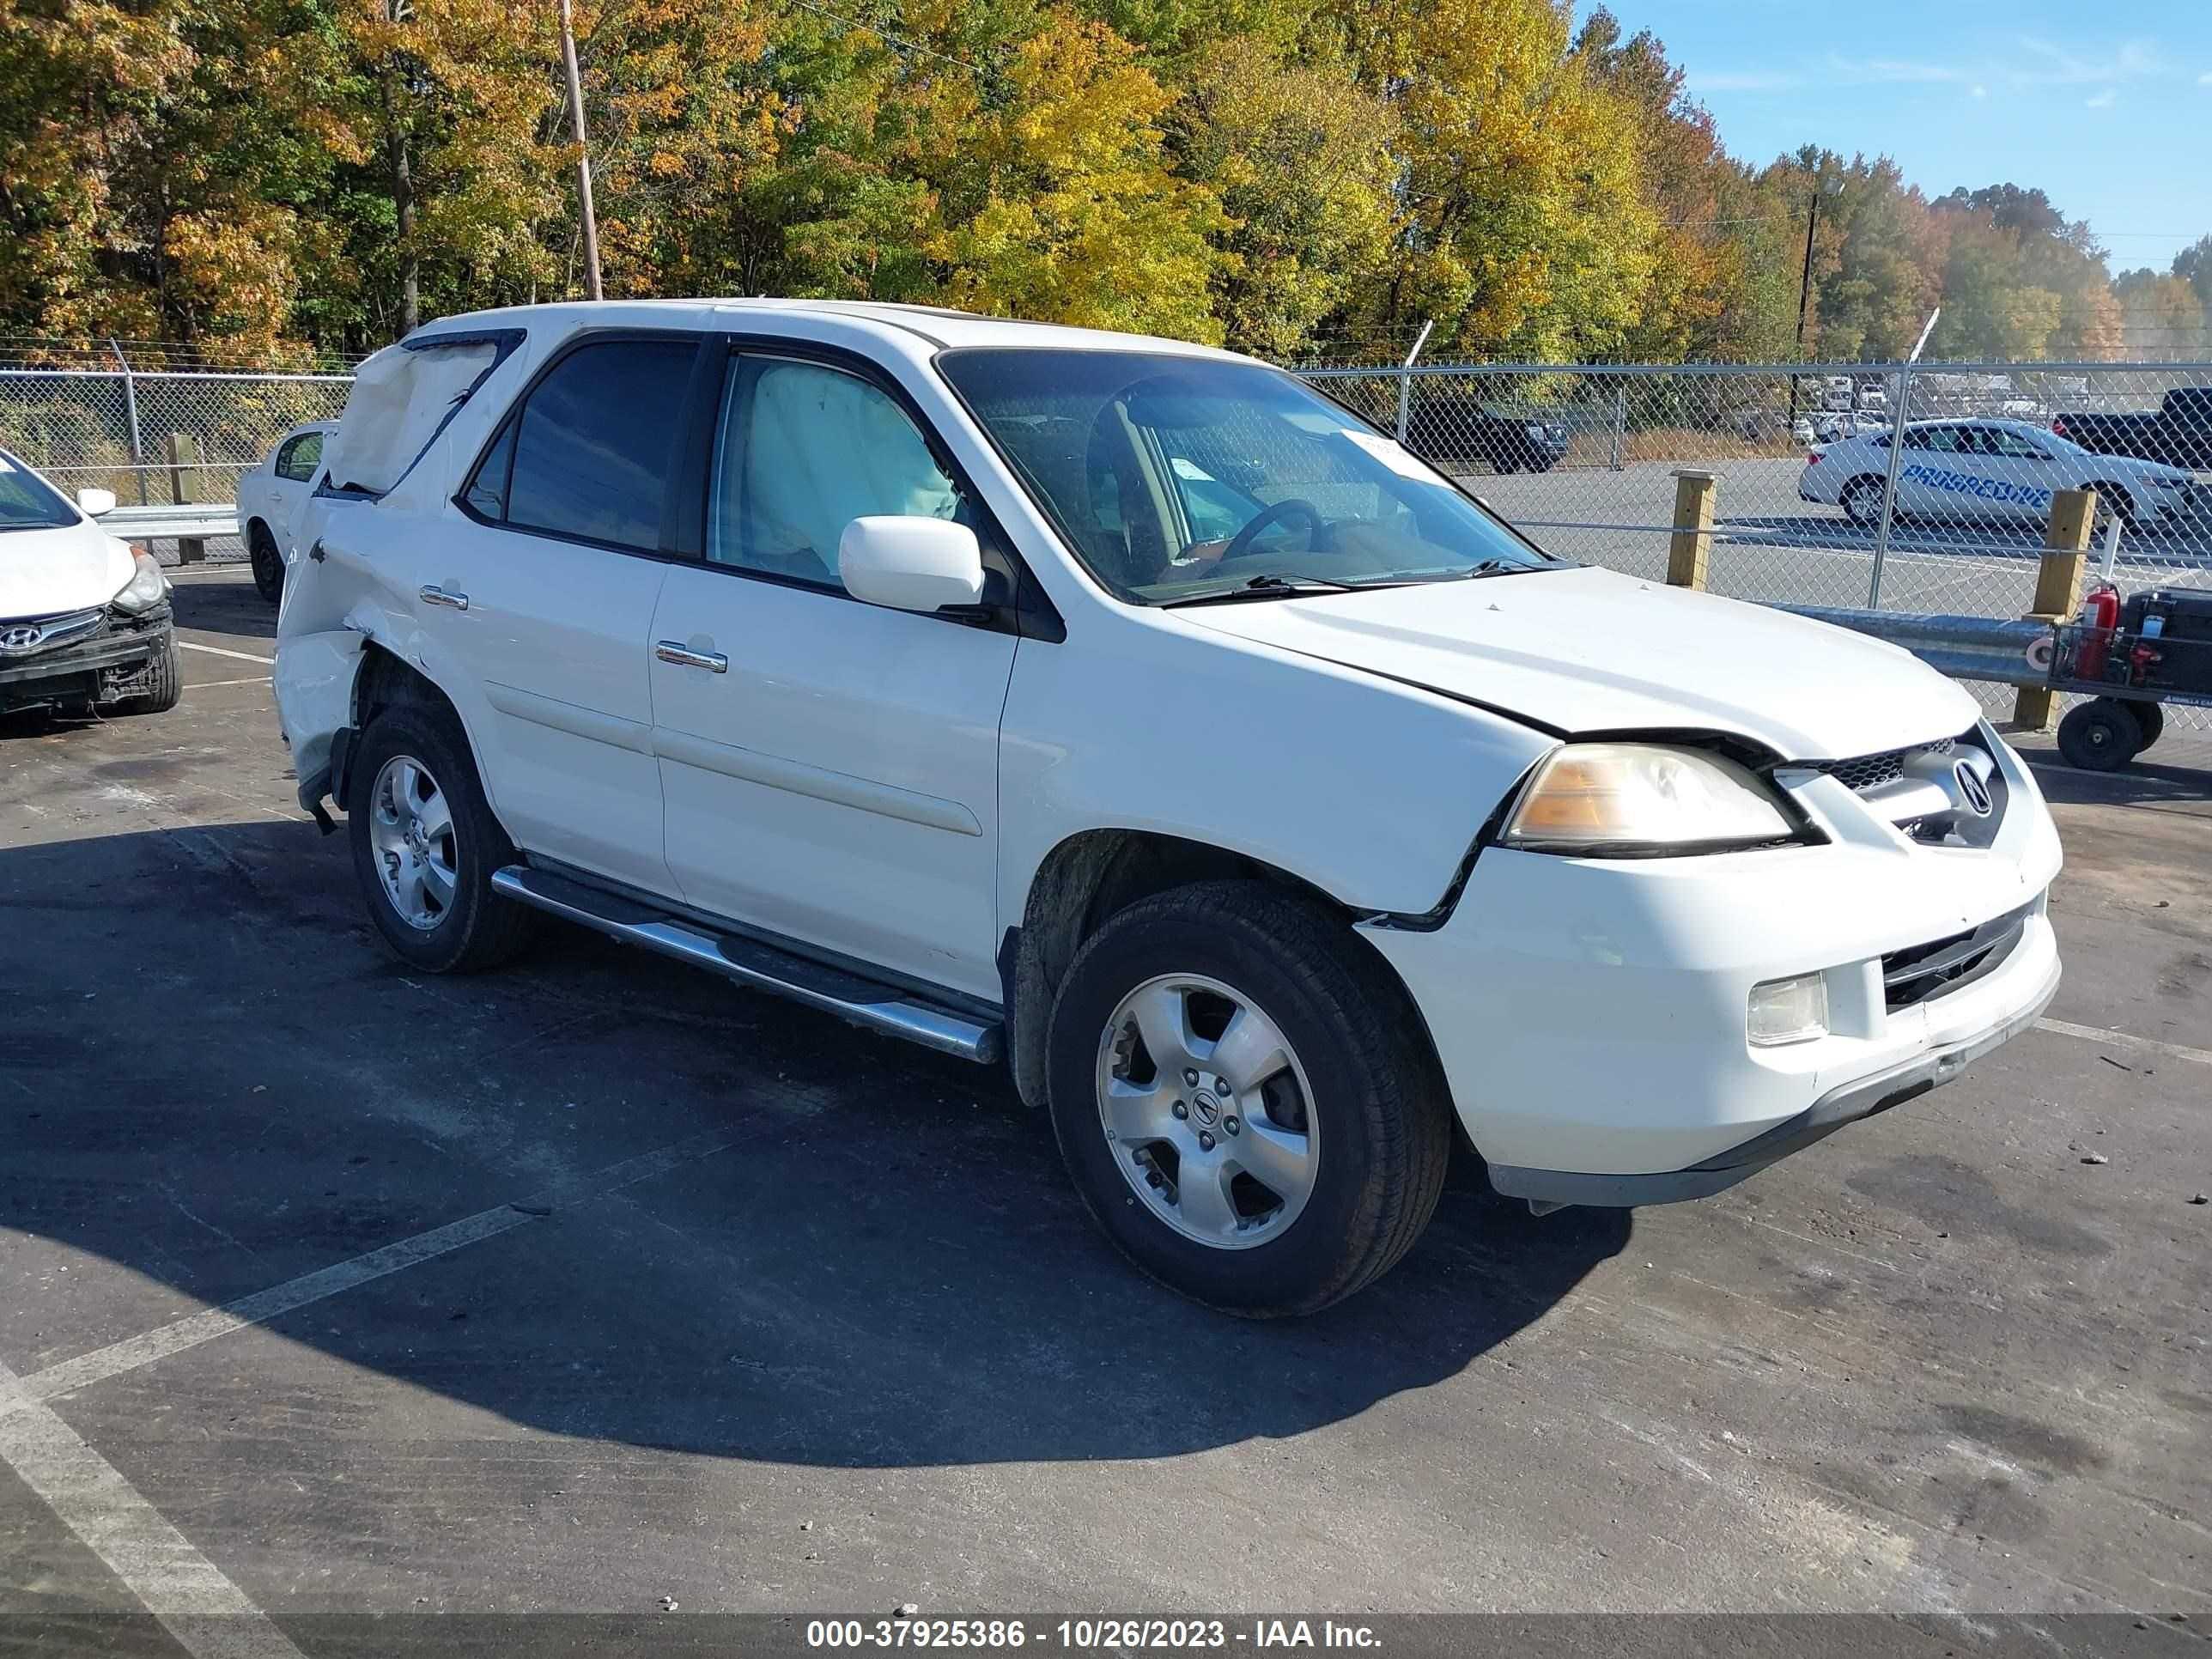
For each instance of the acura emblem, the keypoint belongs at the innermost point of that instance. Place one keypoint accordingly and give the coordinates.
(1972, 791)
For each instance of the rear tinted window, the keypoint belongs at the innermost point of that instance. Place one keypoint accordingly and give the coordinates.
(594, 445)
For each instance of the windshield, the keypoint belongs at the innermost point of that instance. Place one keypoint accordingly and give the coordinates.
(27, 501)
(1177, 477)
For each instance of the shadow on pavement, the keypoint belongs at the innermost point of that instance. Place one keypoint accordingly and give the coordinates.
(216, 1079)
(215, 605)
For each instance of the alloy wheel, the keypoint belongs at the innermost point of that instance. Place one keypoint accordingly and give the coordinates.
(1207, 1111)
(411, 834)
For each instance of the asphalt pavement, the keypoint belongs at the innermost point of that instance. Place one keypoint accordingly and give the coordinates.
(595, 1286)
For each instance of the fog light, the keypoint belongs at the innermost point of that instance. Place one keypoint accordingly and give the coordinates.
(1787, 1010)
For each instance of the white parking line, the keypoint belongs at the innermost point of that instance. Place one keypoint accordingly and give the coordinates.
(132, 1352)
(209, 1616)
(216, 685)
(2122, 1039)
(218, 651)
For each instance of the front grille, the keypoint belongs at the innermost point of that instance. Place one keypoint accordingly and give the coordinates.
(25, 635)
(1922, 973)
(1869, 771)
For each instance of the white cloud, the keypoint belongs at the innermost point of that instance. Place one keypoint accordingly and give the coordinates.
(2028, 62)
(1742, 81)
(1894, 71)
(2205, 79)
(2103, 99)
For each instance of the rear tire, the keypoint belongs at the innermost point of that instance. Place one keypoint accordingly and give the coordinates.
(267, 563)
(1322, 1135)
(2101, 735)
(425, 844)
(1861, 500)
(2151, 716)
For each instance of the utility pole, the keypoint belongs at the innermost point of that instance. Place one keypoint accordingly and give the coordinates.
(1804, 283)
(584, 155)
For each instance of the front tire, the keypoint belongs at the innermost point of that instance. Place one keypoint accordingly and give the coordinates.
(2111, 499)
(425, 844)
(165, 683)
(2101, 735)
(267, 563)
(1244, 1099)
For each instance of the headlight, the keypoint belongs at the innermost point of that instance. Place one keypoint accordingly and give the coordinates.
(1631, 798)
(1534, 429)
(147, 587)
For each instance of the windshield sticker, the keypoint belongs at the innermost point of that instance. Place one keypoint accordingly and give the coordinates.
(1393, 455)
(1989, 489)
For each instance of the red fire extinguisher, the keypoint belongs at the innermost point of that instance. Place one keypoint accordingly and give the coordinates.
(2101, 615)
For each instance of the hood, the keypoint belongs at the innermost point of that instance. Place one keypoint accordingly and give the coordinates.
(71, 567)
(1581, 650)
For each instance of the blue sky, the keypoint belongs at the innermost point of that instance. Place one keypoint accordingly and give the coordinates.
(2105, 106)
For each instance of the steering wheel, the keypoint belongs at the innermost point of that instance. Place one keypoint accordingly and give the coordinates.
(1241, 543)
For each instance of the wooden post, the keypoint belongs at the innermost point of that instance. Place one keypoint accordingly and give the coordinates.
(185, 456)
(1689, 551)
(2057, 590)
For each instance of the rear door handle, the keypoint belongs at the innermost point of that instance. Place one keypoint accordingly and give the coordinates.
(439, 596)
(685, 657)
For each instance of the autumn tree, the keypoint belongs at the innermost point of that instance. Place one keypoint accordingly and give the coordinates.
(1522, 223)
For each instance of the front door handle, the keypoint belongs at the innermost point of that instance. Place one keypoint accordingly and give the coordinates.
(685, 657)
(439, 596)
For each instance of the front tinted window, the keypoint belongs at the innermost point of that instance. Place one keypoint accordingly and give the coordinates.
(1176, 476)
(802, 451)
(596, 443)
(26, 501)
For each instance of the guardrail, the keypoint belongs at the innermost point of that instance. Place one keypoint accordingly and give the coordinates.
(184, 520)
(1965, 648)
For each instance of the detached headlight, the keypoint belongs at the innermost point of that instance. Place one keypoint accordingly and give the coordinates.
(147, 587)
(1625, 798)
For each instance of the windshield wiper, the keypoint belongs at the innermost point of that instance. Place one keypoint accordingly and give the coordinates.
(1506, 567)
(1272, 587)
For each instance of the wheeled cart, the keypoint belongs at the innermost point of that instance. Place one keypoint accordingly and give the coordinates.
(2130, 661)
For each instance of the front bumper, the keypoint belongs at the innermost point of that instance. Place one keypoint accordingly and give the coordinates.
(102, 666)
(1590, 1014)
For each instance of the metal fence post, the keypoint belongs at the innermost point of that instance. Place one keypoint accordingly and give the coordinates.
(130, 409)
(2058, 589)
(1889, 482)
(1406, 379)
(1619, 423)
(1689, 550)
(1897, 419)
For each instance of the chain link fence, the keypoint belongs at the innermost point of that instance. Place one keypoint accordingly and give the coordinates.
(98, 417)
(1815, 504)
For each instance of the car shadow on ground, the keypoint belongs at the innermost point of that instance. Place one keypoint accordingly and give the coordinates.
(216, 1079)
(215, 605)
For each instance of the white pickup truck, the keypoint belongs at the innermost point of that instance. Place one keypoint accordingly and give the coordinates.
(1127, 710)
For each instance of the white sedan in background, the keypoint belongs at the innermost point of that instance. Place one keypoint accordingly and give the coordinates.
(270, 492)
(1988, 469)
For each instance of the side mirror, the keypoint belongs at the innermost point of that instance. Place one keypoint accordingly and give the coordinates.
(911, 563)
(94, 502)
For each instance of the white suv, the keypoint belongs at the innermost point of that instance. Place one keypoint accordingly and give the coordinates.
(1129, 710)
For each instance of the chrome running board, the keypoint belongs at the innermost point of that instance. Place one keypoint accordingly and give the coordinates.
(751, 962)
